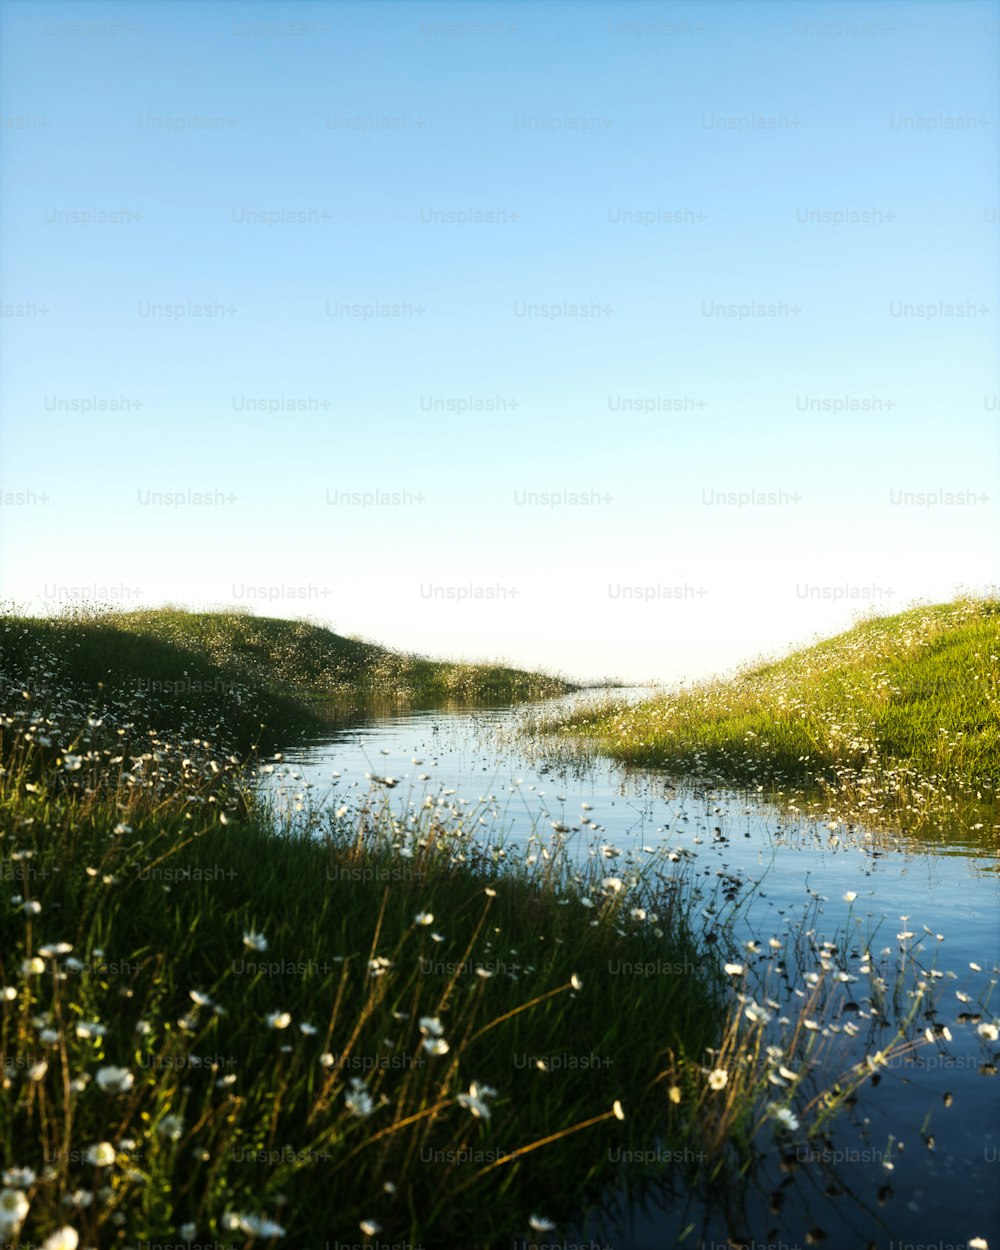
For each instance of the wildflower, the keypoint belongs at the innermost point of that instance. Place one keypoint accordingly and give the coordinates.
(358, 1100)
(255, 941)
(32, 966)
(171, 1127)
(13, 1209)
(755, 1014)
(258, 1226)
(8, 994)
(490, 892)
(188, 1231)
(19, 1178)
(850, 896)
(38, 1070)
(278, 1019)
(431, 1026)
(638, 913)
(90, 1029)
(378, 965)
(674, 1093)
(31, 908)
(199, 999)
(575, 981)
(786, 1119)
(475, 1100)
(733, 970)
(436, 1046)
(370, 1227)
(307, 1028)
(540, 1224)
(326, 1060)
(613, 884)
(55, 950)
(977, 1243)
(115, 1080)
(618, 1110)
(65, 1238)
(101, 1155)
(988, 1031)
(718, 1079)
(424, 918)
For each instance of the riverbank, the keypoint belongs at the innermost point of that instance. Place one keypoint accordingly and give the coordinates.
(221, 1025)
(237, 677)
(895, 722)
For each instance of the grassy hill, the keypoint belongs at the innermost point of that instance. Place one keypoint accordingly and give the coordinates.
(227, 673)
(896, 719)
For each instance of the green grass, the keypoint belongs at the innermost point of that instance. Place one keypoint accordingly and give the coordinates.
(894, 722)
(142, 869)
(228, 674)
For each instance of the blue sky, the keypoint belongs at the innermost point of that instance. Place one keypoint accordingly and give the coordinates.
(711, 369)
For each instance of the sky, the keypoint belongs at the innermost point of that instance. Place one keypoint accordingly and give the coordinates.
(623, 340)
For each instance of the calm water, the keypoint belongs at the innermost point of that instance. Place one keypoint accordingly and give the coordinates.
(932, 1118)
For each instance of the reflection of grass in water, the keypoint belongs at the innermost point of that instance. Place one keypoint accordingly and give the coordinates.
(212, 1018)
(894, 723)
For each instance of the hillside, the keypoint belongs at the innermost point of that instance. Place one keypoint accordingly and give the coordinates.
(895, 718)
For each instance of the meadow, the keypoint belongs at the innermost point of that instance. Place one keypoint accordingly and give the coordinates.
(894, 723)
(366, 1024)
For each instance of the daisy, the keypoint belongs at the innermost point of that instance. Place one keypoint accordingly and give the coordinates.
(255, 941)
(114, 1080)
(101, 1155)
(718, 1079)
(278, 1019)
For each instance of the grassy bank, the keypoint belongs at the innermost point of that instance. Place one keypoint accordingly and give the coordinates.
(367, 1027)
(895, 722)
(228, 674)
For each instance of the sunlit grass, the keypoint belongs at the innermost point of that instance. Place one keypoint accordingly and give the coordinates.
(367, 1023)
(896, 722)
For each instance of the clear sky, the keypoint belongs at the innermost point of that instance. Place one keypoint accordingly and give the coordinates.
(661, 335)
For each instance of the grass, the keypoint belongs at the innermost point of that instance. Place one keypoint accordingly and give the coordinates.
(231, 675)
(367, 1025)
(894, 722)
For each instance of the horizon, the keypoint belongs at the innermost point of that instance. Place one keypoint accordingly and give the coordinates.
(634, 341)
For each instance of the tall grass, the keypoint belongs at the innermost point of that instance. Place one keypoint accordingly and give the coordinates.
(367, 1025)
(896, 721)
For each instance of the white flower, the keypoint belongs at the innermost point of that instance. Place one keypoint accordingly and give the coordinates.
(38, 1070)
(733, 970)
(8, 994)
(989, 1032)
(258, 1226)
(424, 918)
(32, 907)
(475, 1100)
(378, 965)
(575, 981)
(756, 1014)
(786, 1119)
(278, 1019)
(718, 1079)
(977, 1243)
(358, 1100)
(612, 883)
(171, 1127)
(436, 1046)
(32, 966)
(13, 1209)
(90, 1029)
(55, 949)
(19, 1178)
(101, 1155)
(431, 1026)
(618, 1109)
(850, 896)
(326, 1060)
(490, 892)
(199, 998)
(115, 1080)
(307, 1028)
(540, 1224)
(370, 1227)
(65, 1238)
(188, 1231)
(255, 941)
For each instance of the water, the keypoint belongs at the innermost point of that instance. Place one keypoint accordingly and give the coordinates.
(917, 1159)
